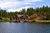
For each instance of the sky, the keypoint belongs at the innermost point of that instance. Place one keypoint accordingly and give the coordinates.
(17, 5)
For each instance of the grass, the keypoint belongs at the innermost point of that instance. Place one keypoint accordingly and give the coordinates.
(6, 20)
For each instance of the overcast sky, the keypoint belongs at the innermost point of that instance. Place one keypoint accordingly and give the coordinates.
(13, 5)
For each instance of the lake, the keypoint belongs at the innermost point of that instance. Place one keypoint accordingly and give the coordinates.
(6, 27)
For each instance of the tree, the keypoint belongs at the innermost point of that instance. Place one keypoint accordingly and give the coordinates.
(30, 11)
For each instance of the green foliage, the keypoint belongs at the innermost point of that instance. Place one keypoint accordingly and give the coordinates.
(44, 11)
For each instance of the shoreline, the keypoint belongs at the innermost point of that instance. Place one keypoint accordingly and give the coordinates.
(29, 21)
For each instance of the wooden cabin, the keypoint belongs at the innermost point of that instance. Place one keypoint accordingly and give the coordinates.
(21, 17)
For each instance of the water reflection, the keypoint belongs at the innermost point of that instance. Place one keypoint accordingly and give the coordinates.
(6, 27)
(16, 27)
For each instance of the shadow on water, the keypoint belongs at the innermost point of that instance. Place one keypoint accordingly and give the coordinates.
(31, 22)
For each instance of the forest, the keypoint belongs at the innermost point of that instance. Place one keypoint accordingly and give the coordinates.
(44, 11)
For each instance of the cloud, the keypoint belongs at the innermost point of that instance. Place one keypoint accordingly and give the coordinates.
(16, 4)
(18, 9)
(8, 4)
(31, 0)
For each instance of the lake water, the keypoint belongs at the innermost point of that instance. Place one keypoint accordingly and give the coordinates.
(6, 27)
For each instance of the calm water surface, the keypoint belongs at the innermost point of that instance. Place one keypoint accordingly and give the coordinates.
(6, 27)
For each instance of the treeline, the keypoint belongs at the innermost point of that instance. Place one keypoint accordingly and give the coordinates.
(44, 11)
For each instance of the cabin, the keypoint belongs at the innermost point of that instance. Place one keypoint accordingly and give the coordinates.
(21, 17)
